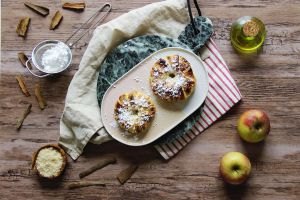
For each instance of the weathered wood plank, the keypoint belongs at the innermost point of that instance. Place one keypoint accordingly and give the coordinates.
(270, 81)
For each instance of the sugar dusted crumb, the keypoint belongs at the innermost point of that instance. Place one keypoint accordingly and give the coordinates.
(155, 124)
(113, 124)
(137, 79)
(126, 134)
(136, 138)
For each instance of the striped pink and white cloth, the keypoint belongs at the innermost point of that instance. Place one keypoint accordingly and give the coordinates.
(222, 95)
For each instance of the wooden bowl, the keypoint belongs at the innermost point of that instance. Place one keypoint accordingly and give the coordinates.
(57, 148)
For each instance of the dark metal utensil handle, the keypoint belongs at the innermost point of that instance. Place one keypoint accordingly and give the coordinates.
(191, 15)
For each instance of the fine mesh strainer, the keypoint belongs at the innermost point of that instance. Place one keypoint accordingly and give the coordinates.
(39, 50)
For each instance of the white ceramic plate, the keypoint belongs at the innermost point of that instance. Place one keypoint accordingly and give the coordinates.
(168, 115)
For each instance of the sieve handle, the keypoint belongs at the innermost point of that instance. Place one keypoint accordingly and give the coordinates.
(90, 20)
(40, 76)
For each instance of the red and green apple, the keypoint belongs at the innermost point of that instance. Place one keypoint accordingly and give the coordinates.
(253, 125)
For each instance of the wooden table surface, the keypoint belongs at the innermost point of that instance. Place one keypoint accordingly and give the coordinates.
(270, 81)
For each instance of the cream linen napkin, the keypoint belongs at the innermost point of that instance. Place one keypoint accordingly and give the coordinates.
(81, 121)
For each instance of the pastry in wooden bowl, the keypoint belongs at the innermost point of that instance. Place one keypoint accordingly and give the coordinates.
(134, 112)
(49, 161)
(172, 78)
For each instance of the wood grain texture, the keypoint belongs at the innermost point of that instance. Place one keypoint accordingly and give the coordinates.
(270, 81)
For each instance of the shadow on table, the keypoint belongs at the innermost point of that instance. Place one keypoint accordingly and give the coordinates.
(254, 151)
(235, 191)
(249, 58)
(136, 155)
(51, 184)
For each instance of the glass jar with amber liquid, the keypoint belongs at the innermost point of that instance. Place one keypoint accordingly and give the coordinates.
(247, 34)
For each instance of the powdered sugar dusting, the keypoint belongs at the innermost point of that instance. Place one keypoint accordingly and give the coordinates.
(134, 111)
(113, 124)
(137, 79)
(56, 58)
(127, 117)
(141, 102)
(168, 78)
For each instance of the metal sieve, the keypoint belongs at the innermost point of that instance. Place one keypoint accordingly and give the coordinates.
(39, 50)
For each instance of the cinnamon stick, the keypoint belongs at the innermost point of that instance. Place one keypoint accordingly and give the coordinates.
(74, 6)
(85, 184)
(23, 58)
(39, 97)
(102, 163)
(124, 175)
(23, 26)
(37, 8)
(56, 20)
(22, 85)
(24, 115)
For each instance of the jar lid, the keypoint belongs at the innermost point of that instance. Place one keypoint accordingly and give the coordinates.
(251, 28)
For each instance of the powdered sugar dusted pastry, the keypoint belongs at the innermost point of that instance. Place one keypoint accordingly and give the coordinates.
(134, 112)
(172, 78)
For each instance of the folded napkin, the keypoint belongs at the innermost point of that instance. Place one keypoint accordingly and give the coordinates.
(222, 95)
